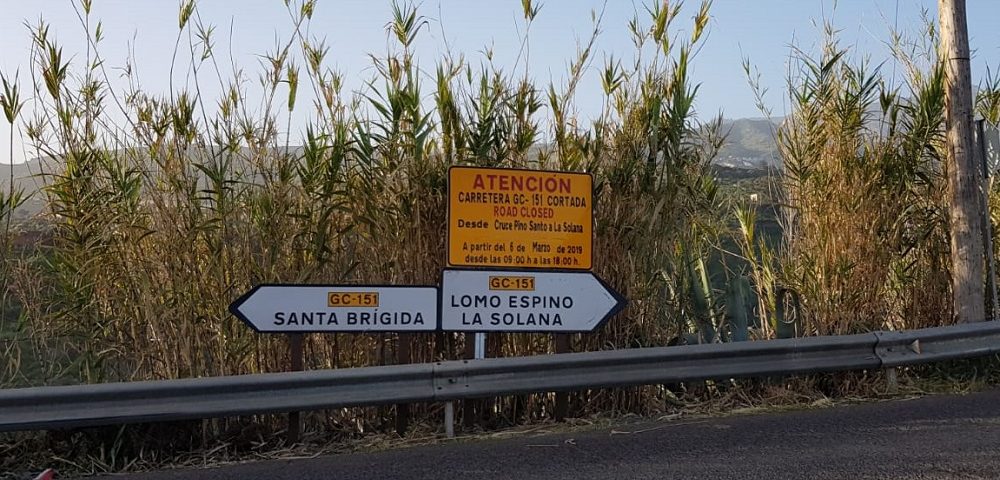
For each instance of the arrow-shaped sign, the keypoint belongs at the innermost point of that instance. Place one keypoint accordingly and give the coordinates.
(338, 308)
(519, 301)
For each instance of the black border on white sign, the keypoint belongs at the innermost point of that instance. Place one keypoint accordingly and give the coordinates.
(621, 301)
(234, 307)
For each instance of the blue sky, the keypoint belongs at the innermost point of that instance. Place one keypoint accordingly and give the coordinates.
(761, 30)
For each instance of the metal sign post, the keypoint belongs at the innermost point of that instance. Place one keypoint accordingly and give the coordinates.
(480, 339)
(535, 229)
(296, 352)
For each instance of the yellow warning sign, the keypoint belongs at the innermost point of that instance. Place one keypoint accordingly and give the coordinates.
(520, 218)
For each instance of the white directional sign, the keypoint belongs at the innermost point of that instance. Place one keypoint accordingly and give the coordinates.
(338, 308)
(525, 301)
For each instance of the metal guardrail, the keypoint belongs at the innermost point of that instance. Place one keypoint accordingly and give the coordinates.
(912, 347)
(169, 400)
(645, 366)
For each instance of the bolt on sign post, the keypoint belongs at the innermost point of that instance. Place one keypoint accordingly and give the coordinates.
(504, 218)
(297, 309)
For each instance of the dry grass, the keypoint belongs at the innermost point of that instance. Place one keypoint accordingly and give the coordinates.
(865, 244)
(165, 207)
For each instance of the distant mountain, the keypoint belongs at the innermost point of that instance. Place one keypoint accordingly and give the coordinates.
(749, 143)
(27, 179)
(23, 173)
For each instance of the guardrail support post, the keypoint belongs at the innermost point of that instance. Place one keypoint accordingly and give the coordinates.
(449, 419)
(892, 380)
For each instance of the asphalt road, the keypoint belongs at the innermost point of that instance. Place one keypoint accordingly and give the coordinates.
(937, 437)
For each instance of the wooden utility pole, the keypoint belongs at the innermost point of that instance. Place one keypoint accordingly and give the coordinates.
(965, 207)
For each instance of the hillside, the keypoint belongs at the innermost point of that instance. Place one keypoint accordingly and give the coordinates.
(749, 144)
(26, 177)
